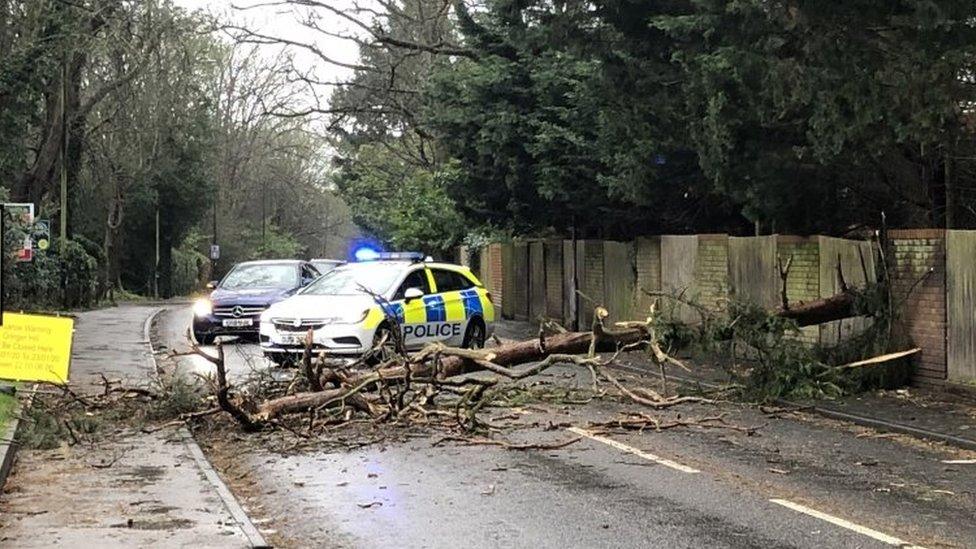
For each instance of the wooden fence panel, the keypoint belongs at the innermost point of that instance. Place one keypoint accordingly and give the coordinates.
(553, 257)
(508, 280)
(619, 280)
(753, 270)
(520, 281)
(570, 299)
(679, 255)
(647, 252)
(961, 306)
(589, 271)
(537, 281)
(849, 254)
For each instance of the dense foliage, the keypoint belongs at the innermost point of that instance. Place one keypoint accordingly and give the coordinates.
(159, 128)
(596, 118)
(620, 117)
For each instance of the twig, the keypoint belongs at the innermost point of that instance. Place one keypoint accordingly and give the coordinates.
(504, 444)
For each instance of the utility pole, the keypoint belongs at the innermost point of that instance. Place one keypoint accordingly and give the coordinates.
(64, 160)
(156, 264)
(213, 241)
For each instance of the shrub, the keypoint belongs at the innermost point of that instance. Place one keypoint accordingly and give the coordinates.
(50, 280)
(187, 266)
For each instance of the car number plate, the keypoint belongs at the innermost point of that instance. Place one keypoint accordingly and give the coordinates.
(238, 322)
(293, 339)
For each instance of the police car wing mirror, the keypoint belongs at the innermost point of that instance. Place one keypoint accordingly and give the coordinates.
(412, 293)
(212, 285)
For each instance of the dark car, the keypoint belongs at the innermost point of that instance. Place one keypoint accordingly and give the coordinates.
(325, 266)
(238, 300)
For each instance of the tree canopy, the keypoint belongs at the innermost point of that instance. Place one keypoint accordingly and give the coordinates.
(617, 118)
(596, 118)
(159, 128)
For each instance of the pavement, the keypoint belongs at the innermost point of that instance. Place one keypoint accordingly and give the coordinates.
(800, 481)
(132, 489)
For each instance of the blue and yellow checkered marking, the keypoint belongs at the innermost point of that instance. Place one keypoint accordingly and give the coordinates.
(393, 310)
(472, 303)
(435, 308)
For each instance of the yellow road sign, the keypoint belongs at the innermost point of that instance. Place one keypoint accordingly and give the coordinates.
(35, 347)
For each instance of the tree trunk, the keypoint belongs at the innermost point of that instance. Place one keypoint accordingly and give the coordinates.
(835, 307)
(110, 271)
(509, 354)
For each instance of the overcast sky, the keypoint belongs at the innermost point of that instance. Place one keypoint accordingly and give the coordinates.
(286, 21)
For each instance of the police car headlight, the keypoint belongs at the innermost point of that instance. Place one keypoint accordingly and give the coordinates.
(202, 307)
(352, 318)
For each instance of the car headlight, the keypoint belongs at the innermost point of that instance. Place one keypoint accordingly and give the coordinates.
(202, 307)
(348, 319)
(360, 318)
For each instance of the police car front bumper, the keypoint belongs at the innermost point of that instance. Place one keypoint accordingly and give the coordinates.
(337, 339)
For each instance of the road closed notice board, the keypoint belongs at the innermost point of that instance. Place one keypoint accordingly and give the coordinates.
(35, 347)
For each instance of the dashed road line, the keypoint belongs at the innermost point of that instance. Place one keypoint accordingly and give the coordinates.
(863, 530)
(960, 461)
(631, 450)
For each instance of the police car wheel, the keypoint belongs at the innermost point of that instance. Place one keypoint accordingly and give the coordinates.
(388, 348)
(203, 339)
(474, 336)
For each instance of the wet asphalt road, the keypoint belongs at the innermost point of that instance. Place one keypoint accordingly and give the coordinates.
(170, 334)
(801, 482)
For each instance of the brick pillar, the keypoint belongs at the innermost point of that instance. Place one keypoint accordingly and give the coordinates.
(918, 266)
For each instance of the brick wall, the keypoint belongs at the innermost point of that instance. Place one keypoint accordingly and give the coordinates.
(916, 252)
(712, 270)
(803, 281)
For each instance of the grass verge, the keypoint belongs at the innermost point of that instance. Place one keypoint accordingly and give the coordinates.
(7, 405)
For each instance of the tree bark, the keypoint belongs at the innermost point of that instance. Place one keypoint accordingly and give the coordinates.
(835, 307)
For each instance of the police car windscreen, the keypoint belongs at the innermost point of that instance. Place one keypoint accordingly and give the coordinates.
(268, 275)
(351, 279)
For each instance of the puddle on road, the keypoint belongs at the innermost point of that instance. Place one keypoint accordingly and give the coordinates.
(142, 475)
(161, 524)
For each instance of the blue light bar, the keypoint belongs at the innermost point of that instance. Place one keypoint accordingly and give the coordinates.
(366, 253)
(408, 256)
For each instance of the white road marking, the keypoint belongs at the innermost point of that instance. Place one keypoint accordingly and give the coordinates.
(863, 530)
(630, 449)
(960, 461)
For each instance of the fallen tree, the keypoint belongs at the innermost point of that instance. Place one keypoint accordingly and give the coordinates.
(411, 384)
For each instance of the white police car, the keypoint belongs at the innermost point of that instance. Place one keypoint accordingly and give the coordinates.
(357, 304)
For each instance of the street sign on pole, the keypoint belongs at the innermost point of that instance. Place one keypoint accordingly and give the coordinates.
(214, 252)
(22, 217)
(41, 234)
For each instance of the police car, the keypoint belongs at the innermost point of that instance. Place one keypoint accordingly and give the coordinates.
(357, 304)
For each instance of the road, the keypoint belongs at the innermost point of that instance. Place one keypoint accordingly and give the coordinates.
(800, 482)
(170, 334)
